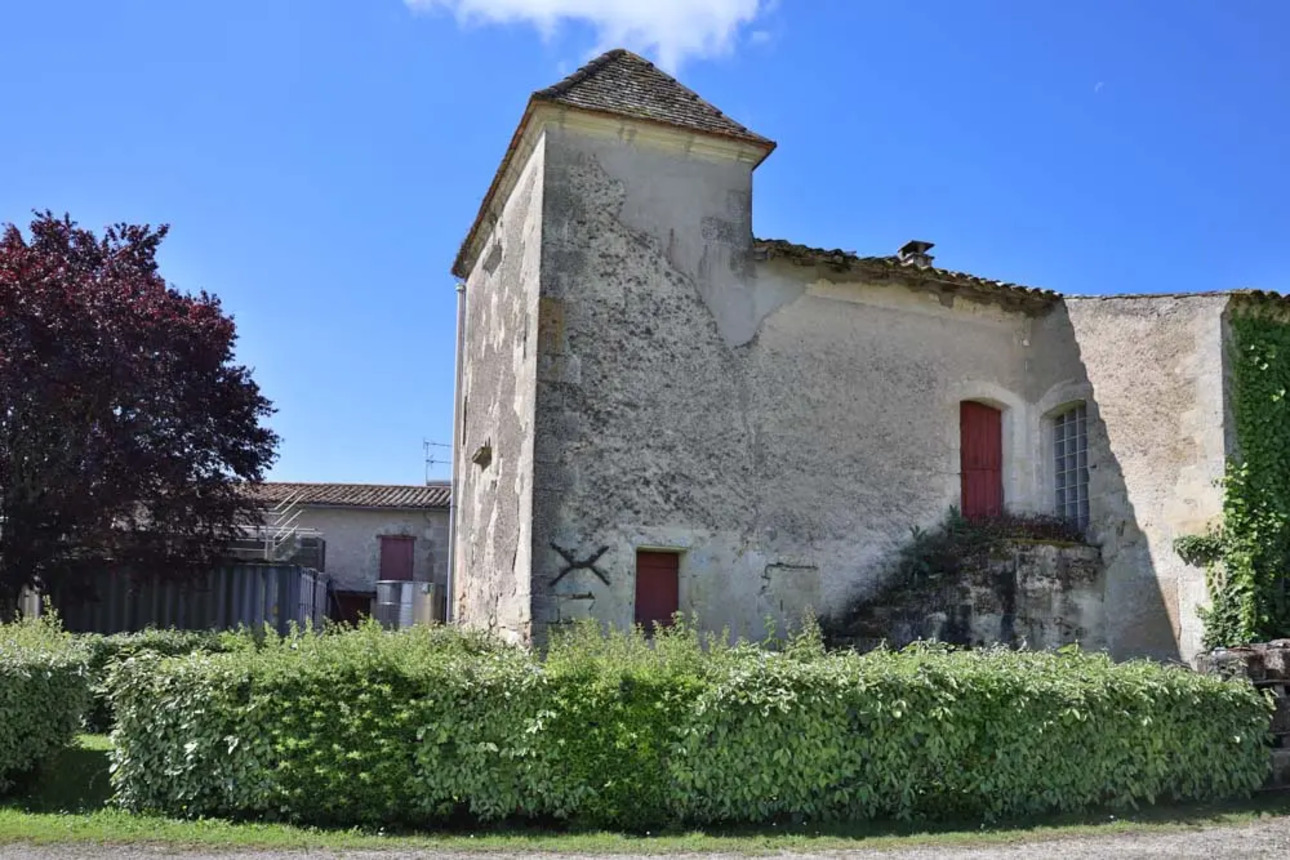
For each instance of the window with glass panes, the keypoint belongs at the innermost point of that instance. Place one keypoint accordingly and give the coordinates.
(1070, 446)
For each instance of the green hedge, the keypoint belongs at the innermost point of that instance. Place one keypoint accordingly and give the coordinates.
(44, 691)
(425, 726)
(105, 651)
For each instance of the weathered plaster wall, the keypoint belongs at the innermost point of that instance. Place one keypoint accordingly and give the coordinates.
(854, 393)
(354, 545)
(1154, 368)
(640, 440)
(781, 430)
(494, 461)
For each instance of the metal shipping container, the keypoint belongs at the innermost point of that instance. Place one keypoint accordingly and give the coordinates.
(252, 595)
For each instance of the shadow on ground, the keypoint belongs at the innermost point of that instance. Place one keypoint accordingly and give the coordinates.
(76, 782)
(1184, 815)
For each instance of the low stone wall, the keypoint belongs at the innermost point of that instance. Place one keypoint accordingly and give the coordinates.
(1039, 594)
(1267, 666)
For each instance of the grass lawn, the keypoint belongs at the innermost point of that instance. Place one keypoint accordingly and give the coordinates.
(68, 806)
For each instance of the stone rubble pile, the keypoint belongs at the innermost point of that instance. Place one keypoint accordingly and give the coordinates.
(1267, 666)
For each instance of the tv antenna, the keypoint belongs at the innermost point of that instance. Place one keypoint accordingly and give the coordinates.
(432, 458)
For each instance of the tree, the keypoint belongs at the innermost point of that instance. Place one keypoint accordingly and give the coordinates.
(126, 427)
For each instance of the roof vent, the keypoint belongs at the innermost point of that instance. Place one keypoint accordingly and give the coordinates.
(914, 253)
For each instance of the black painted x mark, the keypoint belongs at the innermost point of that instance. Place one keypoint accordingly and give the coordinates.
(572, 564)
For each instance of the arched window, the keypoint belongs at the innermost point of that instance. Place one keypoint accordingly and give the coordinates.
(1070, 448)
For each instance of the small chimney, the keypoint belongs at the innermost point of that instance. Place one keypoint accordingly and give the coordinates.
(914, 253)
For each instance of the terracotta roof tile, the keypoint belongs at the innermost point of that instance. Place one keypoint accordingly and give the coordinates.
(620, 82)
(972, 286)
(435, 495)
(1247, 293)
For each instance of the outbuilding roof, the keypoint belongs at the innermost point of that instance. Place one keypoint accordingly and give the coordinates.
(428, 496)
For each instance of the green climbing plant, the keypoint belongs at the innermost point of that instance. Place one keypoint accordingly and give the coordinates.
(1247, 555)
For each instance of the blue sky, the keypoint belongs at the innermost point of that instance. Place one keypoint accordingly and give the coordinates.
(320, 162)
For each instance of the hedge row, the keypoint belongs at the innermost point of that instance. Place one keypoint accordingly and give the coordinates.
(103, 652)
(420, 726)
(44, 690)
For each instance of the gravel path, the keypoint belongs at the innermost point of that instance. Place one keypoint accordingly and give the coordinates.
(1265, 839)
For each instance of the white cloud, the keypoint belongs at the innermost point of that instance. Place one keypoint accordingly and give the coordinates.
(670, 30)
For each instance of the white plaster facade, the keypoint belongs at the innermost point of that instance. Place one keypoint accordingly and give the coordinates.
(351, 519)
(639, 373)
(353, 537)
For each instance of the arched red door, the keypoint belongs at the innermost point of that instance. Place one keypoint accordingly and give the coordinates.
(981, 459)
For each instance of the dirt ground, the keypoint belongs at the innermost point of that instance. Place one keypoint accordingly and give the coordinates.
(1263, 839)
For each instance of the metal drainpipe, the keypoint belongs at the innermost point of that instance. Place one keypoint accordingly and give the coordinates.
(456, 445)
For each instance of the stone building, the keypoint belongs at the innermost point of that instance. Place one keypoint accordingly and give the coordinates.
(657, 411)
(369, 532)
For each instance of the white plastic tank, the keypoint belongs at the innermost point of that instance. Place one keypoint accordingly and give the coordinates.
(29, 603)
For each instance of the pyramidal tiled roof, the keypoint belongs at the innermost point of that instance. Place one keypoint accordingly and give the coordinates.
(620, 82)
(617, 83)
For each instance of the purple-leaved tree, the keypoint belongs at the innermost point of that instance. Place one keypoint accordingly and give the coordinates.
(126, 427)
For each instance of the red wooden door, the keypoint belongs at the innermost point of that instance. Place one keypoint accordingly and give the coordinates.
(397, 556)
(981, 447)
(657, 589)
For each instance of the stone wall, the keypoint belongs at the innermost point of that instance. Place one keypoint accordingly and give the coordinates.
(1033, 594)
(1267, 666)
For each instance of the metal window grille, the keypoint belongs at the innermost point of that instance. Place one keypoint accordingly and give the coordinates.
(1070, 446)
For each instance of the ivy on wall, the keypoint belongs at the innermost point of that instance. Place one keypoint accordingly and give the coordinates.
(1247, 556)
